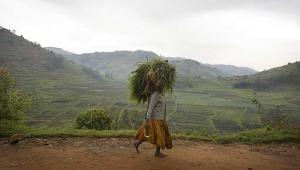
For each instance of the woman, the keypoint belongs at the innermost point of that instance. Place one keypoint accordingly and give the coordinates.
(154, 129)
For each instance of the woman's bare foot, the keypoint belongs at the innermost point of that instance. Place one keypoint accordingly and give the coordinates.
(160, 155)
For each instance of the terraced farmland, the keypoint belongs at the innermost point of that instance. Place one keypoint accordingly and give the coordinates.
(218, 108)
(60, 89)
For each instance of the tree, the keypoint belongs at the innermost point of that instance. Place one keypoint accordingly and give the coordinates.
(13, 103)
(127, 119)
(273, 117)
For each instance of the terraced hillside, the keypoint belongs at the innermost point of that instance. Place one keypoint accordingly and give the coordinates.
(216, 107)
(202, 102)
(59, 88)
(234, 70)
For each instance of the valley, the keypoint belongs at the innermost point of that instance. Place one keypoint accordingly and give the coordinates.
(204, 101)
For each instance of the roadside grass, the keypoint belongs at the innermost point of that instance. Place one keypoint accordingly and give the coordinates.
(263, 135)
(255, 136)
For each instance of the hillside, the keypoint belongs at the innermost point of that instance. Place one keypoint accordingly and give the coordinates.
(120, 64)
(233, 70)
(116, 65)
(203, 101)
(201, 104)
(284, 76)
(192, 68)
(60, 51)
(59, 88)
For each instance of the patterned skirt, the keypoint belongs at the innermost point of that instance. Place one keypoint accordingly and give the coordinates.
(158, 133)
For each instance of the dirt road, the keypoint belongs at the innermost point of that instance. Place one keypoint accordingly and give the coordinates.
(118, 153)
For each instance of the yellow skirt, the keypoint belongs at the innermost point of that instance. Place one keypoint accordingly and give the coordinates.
(159, 134)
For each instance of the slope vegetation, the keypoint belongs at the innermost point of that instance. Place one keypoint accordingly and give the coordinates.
(59, 88)
(284, 76)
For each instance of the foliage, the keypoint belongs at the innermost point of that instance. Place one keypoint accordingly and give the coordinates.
(71, 132)
(92, 73)
(54, 62)
(256, 85)
(154, 75)
(264, 135)
(13, 103)
(256, 136)
(97, 119)
(127, 119)
(10, 127)
(272, 117)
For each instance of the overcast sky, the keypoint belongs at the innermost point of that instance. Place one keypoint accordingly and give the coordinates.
(256, 33)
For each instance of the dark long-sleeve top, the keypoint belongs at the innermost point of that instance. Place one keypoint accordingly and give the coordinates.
(157, 107)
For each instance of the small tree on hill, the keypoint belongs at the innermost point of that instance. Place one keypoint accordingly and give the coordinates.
(13, 103)
(273, 117)
(127, 119)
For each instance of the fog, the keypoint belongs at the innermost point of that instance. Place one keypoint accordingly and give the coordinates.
(257, 34)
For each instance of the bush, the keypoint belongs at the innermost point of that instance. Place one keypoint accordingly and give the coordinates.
(13, 103)
(273, 117)
(10, 127)
(98, 119)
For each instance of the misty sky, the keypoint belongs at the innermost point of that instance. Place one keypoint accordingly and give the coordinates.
(256, 33)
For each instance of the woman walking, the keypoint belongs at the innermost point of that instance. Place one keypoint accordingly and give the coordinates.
(155, 129)
(157, 78)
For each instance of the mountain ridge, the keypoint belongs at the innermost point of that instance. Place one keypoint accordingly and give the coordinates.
(188, 67)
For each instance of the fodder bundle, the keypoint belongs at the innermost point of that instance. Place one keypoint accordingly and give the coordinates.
(154, 75)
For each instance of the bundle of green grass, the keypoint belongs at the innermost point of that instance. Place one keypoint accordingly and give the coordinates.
(155, 75)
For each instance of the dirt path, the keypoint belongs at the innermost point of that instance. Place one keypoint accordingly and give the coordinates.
(114, 153)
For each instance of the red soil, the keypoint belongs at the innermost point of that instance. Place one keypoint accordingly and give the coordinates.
(118, 153)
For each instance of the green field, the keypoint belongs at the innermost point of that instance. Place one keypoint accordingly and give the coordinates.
(218, 108)
(213, 106)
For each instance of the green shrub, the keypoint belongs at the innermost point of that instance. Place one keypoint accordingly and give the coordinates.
(10, 127)
(263, 135)
(13, 103)
(273, 117)
(98, 119)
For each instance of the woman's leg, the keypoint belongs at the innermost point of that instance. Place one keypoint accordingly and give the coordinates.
(139, 137)
(158, 153)
(137, 144)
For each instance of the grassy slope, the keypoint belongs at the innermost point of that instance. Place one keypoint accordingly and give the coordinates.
(280, 77)
(233, 70)
(59, 88)
(215, 105)
(203, 105)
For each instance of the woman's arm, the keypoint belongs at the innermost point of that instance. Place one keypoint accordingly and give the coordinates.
(153, 101)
